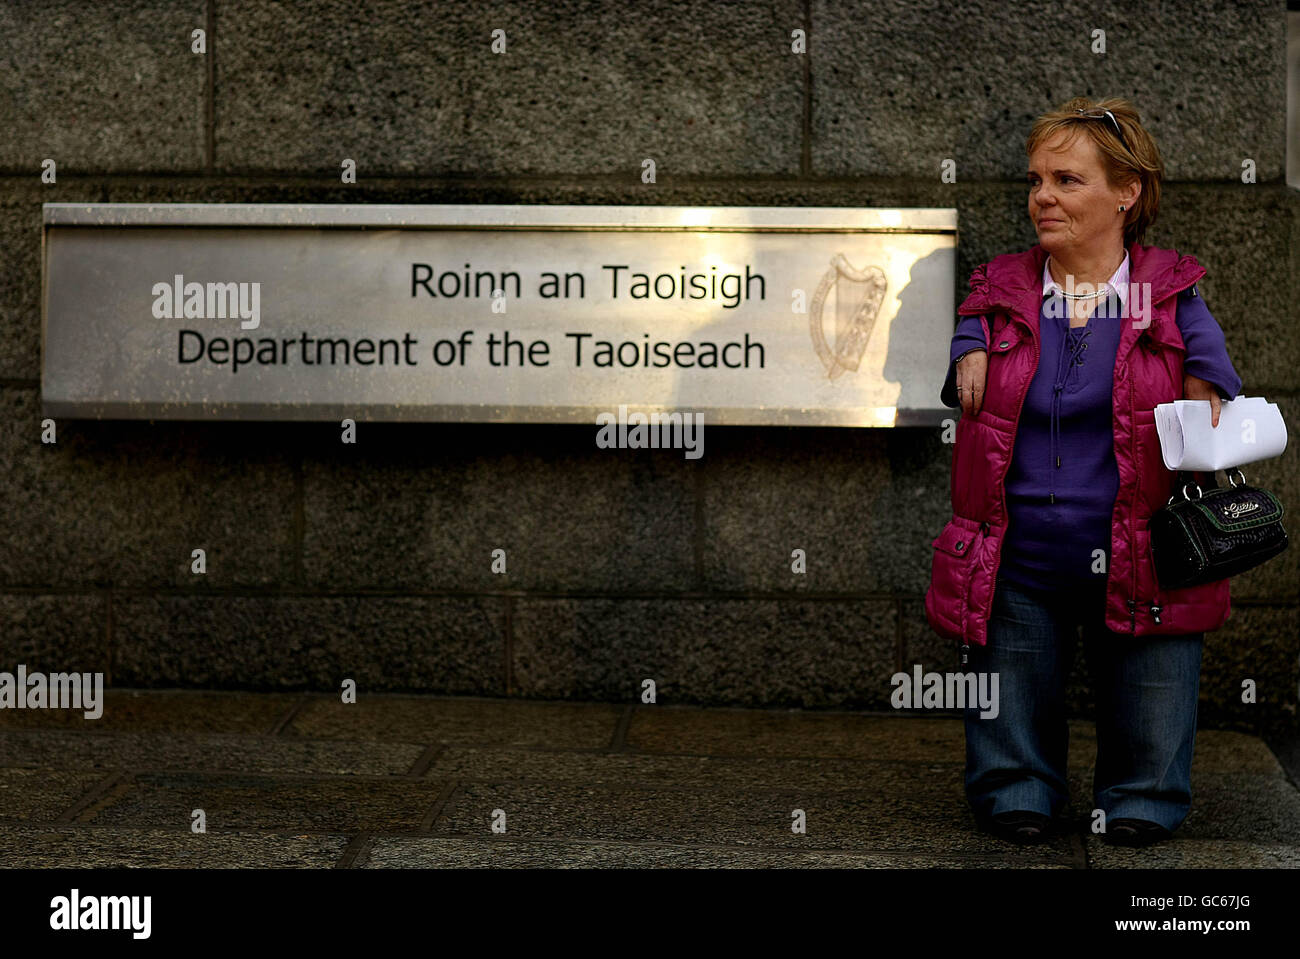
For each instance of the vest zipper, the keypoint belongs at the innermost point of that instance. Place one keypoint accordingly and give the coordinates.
(983, 532)
(1137, 492)
(1002, 480)
(1152, 607)
(1145, 342)
(1155, 610)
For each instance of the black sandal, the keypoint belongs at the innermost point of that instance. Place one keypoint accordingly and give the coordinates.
(1021, 826)
(1134, 832)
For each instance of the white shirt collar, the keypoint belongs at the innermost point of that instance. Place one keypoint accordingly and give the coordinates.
(1118, 282)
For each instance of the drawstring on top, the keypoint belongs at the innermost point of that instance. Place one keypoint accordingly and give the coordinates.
(1063, 366)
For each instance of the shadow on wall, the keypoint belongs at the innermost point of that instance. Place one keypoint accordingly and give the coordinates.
(909, 355)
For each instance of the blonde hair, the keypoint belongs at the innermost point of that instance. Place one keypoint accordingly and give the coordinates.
(1136, 158)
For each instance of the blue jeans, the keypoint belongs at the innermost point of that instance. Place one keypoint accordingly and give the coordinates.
(1146, 691)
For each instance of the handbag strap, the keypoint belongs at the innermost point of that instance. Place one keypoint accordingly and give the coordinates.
(1195, 476)
(1199, 477)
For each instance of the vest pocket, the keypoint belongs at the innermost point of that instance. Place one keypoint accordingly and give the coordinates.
(1189, 609)
(955, 539)
(953, 561)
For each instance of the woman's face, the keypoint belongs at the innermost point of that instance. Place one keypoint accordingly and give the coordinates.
(1070, 203)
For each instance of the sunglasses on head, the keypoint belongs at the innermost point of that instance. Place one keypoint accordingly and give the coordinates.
(1106, 115)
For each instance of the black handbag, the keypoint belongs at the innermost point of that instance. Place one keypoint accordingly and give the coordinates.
(1217, 533)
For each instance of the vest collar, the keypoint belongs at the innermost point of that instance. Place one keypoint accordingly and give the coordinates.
(1013, 283)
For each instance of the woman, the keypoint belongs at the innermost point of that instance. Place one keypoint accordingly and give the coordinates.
(1062, 354)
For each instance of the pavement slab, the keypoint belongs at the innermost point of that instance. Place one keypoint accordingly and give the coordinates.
(71, 847)
(436, 853)
(302, 780)
(57, 749)
(165, 711)
(430, 719)
(325, 805)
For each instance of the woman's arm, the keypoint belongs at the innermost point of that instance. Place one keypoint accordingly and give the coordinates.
(969, 335)
(1207, 351)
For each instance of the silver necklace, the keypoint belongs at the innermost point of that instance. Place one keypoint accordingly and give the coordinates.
(1105, 288)
(1085, 296)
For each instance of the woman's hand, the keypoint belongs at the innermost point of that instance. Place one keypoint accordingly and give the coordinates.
(972, 371)
(1195, 388)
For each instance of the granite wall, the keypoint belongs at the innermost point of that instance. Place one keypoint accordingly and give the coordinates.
(328, 561)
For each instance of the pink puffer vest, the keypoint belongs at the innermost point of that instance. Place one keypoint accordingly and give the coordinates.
(1007, 294)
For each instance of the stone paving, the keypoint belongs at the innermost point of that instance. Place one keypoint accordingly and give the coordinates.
(303, 780)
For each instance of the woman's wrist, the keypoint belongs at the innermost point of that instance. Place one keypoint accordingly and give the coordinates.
(974, 349)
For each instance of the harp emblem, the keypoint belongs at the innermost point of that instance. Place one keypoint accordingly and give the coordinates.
(858, 295)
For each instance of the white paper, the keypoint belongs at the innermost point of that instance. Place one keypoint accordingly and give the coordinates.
(1250, 429)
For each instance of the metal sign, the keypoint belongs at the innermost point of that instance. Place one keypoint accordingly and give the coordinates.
(542, 314)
